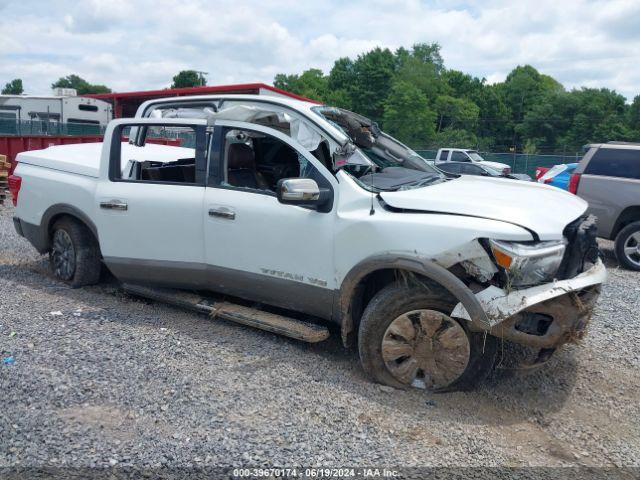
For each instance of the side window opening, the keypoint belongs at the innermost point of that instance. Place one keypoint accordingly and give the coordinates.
(257, 161)
(615, 162)
(277, 117)
(165, 155)
(322, 154)
(459, 157)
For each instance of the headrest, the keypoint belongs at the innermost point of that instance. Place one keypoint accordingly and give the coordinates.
(240, 156)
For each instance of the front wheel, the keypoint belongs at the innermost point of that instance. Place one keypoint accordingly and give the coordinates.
(627, 246)
(74, 254)
(406, 338)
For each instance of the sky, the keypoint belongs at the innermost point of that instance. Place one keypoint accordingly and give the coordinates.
(142, 44)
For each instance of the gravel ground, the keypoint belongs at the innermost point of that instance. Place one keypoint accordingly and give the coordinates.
(103, 379)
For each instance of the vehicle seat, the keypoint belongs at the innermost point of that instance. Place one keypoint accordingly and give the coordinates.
(241, 168)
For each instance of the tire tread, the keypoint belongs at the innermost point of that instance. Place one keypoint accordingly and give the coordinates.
(88, 263)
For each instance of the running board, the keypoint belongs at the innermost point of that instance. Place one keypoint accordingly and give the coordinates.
(271, 322)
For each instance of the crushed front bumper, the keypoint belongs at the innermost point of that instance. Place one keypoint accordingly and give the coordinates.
(545, 316)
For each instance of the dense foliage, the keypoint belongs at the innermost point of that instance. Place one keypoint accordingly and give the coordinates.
(14, 87)
(80, 84)
(189, 78)
(414, 97)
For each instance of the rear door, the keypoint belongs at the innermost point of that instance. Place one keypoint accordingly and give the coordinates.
(450, 167)
(256, 247)
(149, 202)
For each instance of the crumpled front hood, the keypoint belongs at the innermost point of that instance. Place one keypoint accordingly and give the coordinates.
(543, 209)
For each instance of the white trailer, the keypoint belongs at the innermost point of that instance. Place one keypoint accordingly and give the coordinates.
(55, 109)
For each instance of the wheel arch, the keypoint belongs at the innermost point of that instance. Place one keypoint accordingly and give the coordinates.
(58, 211)
(627, 216)
(385, 268)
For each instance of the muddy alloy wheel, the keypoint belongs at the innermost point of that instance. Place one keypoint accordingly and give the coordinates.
(426, 348)
(406, 338)
(63, 255)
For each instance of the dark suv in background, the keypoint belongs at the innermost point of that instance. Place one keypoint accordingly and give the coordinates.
(608, 177)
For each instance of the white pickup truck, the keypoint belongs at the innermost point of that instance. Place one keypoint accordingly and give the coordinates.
(471, 156)
(297, 216)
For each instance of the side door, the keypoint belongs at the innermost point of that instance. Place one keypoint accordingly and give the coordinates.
(149, 201)
(471, 169)
(450, 167)
(256, 247)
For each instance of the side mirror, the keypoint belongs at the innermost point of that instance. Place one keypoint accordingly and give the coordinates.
(301, 192)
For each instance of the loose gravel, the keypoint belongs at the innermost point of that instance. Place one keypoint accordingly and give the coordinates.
(102, 379)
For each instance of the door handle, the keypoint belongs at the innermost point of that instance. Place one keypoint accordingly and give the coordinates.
(114, 205)
(222, 213)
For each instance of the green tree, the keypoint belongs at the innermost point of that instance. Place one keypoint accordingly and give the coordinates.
(456, 138)
(407, 115)
(341, 83)
(189, 78)
(80, 84)
(456, 113)
(600, 116)
(311, 83)
(14, 87)
(568, 120)
(495, 126)
(525, 87)
(373, 75)
(634, 116)
(424, 76)
(402, 90)
(428, 53)
(461, 84)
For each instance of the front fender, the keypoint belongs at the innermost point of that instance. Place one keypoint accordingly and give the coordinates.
(419, 265)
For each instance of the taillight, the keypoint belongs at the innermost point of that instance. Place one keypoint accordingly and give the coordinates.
(574, 181)
(15, 182)
(506, 171)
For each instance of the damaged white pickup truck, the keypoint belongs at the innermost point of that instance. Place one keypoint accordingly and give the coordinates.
(296, 216)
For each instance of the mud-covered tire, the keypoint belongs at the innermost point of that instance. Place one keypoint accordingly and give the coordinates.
(628, 238)
(74, 256)
(395, 301)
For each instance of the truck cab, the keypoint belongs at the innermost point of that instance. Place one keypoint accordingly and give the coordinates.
(469, 156)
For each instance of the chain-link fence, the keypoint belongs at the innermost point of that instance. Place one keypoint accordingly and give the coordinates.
(43, 127)
(519, 162)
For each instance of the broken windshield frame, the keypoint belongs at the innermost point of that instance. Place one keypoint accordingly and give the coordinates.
(372, 151)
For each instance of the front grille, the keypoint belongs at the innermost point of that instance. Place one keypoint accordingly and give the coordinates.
(582, 248)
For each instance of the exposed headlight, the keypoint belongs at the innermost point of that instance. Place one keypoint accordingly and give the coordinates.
(528, 263)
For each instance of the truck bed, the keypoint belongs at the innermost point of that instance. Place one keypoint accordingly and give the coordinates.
(84, 158)
(81, 158)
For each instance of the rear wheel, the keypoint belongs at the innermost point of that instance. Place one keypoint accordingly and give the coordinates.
(627, 246)
(74, 255)
(406, 338)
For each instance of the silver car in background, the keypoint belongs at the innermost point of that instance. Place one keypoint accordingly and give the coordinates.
(608, 177)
